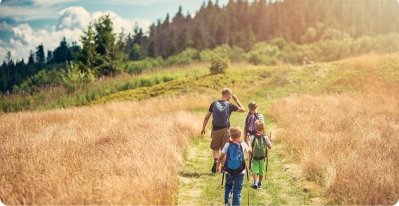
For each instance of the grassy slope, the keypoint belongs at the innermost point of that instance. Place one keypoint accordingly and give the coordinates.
(265, 85)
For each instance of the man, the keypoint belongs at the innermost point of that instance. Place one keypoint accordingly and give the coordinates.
(221, 111)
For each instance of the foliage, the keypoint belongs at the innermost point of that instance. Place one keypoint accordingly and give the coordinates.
(219, 65)
(243, 23)
(264, 53)
(186, 57)
(74, 77)
(234, 53)
(137, 67)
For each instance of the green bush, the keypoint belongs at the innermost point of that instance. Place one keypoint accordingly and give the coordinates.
(73, 77)
(335, 49)
(137, 67)
(186, 57)
(219, 65)
(235, 54)
(264, 53)
(44, 78)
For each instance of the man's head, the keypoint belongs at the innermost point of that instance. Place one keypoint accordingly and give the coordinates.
(235, 133)
(259, 126)
(226, 94)
(252, 106)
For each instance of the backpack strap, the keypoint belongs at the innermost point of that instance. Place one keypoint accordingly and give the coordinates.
(243, 157)
(253, 142)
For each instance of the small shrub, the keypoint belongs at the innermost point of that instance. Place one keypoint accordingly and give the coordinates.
(219, 65)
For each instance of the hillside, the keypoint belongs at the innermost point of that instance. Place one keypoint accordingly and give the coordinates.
(345, 109)
(344, 101)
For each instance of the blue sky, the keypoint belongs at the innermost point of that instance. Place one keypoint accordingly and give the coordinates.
(24, 24)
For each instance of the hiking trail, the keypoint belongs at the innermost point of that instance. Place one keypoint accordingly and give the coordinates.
(198, 186)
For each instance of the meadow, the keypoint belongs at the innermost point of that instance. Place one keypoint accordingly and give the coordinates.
(347, 142)
(336, 121)
(118, 153)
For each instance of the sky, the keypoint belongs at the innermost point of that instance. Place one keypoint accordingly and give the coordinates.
(25, 24)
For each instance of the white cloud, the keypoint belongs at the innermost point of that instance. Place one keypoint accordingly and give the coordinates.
(71, 24)
(33, 9)
(134, 2)
(49, 3)
(121, 23)
(4, 26)
(27, 13)
(74, 17)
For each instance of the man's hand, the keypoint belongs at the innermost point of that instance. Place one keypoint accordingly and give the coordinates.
(203, 133)
(235, 97)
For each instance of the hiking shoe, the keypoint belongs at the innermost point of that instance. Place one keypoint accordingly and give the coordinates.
(214, 168)
(255, 186)
(260, 186)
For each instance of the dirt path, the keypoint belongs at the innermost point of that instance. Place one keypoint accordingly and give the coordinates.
(198, 186)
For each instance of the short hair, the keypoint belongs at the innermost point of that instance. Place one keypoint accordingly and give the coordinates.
(226, 91)
(259, 125)
(235, 132)
(252, 105)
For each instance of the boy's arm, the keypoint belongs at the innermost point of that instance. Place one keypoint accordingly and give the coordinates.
(249, 148)
(220, 162)
(249, 143)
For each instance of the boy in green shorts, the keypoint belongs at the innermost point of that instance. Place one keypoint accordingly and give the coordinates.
(259, 143)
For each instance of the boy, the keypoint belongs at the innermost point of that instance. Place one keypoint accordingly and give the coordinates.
(232, 157)
(252, 116)
(259, 142)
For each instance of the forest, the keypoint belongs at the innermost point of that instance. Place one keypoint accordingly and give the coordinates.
(260, 32)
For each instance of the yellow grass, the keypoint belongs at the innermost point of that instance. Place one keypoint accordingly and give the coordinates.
(119, 153)
(347, 143)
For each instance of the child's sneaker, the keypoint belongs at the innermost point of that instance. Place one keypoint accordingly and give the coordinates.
(255, 186)
(260, 185)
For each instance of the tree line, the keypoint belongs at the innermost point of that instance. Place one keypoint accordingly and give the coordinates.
(239, 23)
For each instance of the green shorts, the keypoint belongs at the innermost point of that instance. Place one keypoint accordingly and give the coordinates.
(258, 167)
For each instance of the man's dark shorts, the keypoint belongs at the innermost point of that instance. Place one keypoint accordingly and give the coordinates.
(219, 138)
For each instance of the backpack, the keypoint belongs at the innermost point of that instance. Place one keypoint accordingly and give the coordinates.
(259, 147)
(250, 125)
(235, 162)
(220, 114)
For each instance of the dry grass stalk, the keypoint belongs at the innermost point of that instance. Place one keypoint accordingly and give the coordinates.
(347, 143)
(119, 153)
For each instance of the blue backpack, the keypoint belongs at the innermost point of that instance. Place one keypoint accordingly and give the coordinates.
(235, 162)
(220, 113)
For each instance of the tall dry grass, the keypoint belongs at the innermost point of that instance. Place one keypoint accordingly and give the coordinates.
(119, 153)
(348, 143)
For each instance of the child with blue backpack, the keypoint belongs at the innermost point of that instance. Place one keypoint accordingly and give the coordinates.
(233, 159)
(259, 144)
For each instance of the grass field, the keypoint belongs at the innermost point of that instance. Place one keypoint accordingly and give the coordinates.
(118, 153)
(335, 129)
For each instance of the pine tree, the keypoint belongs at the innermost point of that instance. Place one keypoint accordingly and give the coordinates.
(40, 56)
(62, 54)
(89, 54)
(105, 41)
